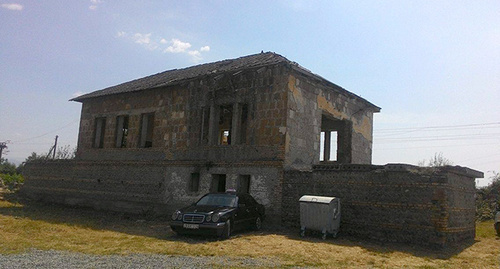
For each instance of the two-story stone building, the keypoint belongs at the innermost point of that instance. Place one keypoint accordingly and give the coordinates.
(260, 124)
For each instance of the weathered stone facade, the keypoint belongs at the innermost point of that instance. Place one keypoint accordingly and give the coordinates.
(250, 124)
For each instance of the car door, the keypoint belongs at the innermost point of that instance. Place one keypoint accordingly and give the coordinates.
(243, 213)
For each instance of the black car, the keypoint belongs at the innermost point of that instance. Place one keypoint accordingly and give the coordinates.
(219, 214)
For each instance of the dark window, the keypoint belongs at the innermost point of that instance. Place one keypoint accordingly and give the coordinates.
(100, 126)
(146, 135)
(194, 183)
(121, 131)
(244, 184)
(243, 124)
(205, 119)
(218, 183)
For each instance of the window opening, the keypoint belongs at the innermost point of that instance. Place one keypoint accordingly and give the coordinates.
(194, 183)
(218, 183)
(225, 124)
(244, 184)
(333, 146)
(100, 126)
(121, 131)
(243, 125)
(146, 138)
(205, 121)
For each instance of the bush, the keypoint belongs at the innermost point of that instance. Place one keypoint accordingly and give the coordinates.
(12, 181)
(487, 199)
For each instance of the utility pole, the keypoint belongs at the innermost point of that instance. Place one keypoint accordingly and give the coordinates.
(55, 148)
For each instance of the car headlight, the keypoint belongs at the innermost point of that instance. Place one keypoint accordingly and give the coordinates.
(176, 215)
(215, 217)
(208, 218)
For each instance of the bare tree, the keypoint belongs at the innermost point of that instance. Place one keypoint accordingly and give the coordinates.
(436, 161)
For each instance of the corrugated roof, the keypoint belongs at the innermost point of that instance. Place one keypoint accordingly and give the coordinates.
(175, 76)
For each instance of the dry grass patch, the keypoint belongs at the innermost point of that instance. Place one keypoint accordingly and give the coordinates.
(27, 225)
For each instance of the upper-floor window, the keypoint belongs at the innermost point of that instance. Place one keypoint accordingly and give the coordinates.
(121, 131)
(146, 134)
(225, 124)
(100, 126)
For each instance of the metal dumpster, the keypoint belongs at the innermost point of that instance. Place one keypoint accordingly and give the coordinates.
(319, 213)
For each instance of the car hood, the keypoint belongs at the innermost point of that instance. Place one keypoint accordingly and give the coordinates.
(206, 209)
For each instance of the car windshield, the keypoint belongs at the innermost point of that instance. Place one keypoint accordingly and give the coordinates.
(218, 200)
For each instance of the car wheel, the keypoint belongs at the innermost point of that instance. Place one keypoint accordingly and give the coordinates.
(497, 227)
(258, 224)
(226, 233)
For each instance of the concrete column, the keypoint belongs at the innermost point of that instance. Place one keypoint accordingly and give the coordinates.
(236, 124)
(326, 149)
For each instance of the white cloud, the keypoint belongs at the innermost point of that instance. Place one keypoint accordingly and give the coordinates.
(142, 38)
(195, 55)
(145, 40)
(94, 4)
(16, 7)
(177, 46)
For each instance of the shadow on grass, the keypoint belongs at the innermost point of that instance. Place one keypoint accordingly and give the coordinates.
(158, 227)
(382, 248)
(132, 224)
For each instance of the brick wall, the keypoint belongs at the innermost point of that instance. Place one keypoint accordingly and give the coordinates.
(398, 203)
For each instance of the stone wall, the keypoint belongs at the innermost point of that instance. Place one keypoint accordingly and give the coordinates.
(399, 203)
(157, 187)
(310, 102)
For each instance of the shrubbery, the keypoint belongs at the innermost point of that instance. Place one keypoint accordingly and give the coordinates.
(487, 199)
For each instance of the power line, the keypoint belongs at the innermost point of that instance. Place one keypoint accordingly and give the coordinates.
(440, 127)
(49, 132)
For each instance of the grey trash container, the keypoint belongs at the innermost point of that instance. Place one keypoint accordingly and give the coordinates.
(319, 213)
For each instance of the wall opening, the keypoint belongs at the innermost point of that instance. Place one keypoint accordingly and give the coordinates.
(100, 126)
(243, 184)
(218, 183)
(243, 124)
(121, 131)
(194, 182)
(205, 121)
(146, 134)
(225, 124)
(335, 140)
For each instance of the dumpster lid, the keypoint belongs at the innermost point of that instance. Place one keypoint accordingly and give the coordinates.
(316, 199)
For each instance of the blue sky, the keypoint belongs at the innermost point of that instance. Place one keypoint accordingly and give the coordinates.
(425, 63)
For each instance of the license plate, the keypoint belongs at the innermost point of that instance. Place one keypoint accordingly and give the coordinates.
(191, 226)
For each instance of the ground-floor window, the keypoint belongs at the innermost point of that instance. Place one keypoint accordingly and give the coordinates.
(243, 184)
(218, 183)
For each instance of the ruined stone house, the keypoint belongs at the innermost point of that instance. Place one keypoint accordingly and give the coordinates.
(257, 124)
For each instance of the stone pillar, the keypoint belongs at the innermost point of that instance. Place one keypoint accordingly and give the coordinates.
(326, 149)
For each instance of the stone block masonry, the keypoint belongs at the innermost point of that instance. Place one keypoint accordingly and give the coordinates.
(394, 203)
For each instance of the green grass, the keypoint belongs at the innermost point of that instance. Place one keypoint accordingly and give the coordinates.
(29, 225)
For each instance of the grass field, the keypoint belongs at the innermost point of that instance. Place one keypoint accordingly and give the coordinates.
(27, 225)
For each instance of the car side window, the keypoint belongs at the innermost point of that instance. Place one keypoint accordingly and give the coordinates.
(243, 200)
